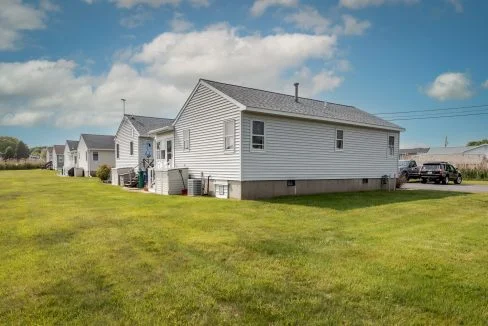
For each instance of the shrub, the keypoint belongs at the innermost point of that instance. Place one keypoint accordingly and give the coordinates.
(474, 173)
(103, 172)
(20, 166)
(400, 181)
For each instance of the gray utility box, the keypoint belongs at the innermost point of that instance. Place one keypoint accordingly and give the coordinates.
(194, 187)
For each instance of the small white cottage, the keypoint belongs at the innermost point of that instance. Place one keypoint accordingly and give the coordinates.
(58, 157)
(247, 143)
(70, 156)
(134, 144)
(95, 150)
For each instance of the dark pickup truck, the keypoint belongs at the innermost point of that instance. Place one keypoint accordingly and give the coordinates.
(409, 169)
(440, 172)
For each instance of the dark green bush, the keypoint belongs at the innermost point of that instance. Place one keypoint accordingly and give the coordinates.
(103, 172)
(20, 166)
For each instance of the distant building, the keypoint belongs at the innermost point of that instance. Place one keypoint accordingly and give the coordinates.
(407, 153)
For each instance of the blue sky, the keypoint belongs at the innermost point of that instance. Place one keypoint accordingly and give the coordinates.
(64, 65)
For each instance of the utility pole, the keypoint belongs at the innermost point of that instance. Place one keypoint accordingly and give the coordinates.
(446, 142)
(123, 104)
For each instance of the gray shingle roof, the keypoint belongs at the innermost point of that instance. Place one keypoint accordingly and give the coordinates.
(72, 145)
(145, 124)
(99, 141)
(261, 99)
(59, 149)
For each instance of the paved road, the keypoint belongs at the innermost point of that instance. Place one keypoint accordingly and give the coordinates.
(449, 187)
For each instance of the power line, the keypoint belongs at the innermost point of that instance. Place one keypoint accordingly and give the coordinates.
(434, 115)
(438, 117)
(432, 110)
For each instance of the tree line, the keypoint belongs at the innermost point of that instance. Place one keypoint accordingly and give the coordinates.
(13, 148)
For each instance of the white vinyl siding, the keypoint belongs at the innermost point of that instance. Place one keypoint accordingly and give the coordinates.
(304, 149)
(123, 139)
(204, 115)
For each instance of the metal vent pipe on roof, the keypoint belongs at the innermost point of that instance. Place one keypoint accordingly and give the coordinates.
(296, 92)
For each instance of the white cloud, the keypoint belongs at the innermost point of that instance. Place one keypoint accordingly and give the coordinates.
(359, 4)
(180, 24)
(457, 4)
(352, 26)
(138, 18)
(219, 52)
(343, 65)
(485, 84)
(152, 3)
(260, 6)
(63, 94)
(309, 19)
(26, 118)
(200, 3)
(450, 86)
(17, 17)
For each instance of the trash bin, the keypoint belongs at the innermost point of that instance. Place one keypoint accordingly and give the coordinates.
(140, 180)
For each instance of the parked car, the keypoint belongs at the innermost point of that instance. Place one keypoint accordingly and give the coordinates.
(409, 169)
(440, 172)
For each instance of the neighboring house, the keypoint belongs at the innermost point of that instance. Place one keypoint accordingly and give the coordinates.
(463, 156)
(408, 153)
(133, 144)
(58, 157)
(250, 143)
(95, 150)
(49, 154)
(70, 155)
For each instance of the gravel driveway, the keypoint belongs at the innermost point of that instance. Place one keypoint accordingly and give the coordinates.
(449, 187)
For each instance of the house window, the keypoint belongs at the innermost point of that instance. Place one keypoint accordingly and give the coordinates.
(160, 153)
(118, 151)
(339, 144)
(169, 150)
(95, 156)
(229, 132)
(391, 145)
(86, 156)
(257, 135)
(75, 159)
(131, 150)
(186, 140)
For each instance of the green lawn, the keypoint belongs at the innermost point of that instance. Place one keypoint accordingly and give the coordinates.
(77, 251)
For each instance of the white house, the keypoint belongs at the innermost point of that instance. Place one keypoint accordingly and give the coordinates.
(70, 155)
(133, 144)
(58, 157)
(95, 150)
(247, 143)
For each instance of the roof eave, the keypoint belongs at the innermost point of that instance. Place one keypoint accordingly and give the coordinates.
(309, 117)
(161, 130)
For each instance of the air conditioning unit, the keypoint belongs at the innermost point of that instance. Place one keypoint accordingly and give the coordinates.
(194, 187)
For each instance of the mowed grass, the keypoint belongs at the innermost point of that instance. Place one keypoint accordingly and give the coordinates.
(73, 250)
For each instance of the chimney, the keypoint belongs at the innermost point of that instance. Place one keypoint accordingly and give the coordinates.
(296, 92)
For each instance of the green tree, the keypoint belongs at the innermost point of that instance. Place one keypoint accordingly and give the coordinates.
(21, 151)
(478, 142)
(6, 141)
(9, 153)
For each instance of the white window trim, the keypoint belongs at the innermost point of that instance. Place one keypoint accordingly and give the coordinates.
(131, 154)
(93, 156)
(264, 135)
(335, 142)
(233, 136)
(186, 141)
(388, 147)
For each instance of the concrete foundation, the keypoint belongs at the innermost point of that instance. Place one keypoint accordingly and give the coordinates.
(276, 188)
